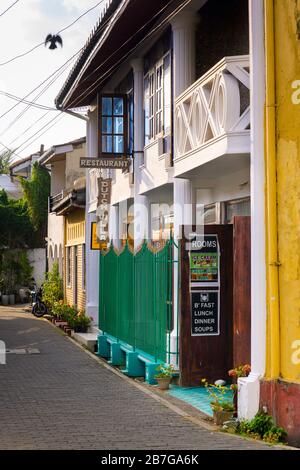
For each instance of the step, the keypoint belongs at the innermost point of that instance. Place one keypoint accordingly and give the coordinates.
(89, 340)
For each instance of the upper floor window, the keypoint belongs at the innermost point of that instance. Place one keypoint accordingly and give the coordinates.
(157, 99)
(237, 207)
(113, 125)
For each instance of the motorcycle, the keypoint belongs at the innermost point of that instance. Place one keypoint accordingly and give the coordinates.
(39, 308)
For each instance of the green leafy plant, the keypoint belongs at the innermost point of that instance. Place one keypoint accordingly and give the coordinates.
(164, 371)
(36, 191)
(25, 270)
(5, 161)
(218, 397)
(262, 426)
(53, 287)
(17, 231)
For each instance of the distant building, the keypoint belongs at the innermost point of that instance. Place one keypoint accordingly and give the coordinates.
(11, 186)
(66, 219)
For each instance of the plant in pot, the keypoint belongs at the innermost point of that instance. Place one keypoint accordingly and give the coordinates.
(221, 404)
(164, 376)
(242, 370)
(81, 322)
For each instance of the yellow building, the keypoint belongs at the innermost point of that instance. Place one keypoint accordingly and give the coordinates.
(66, 219)
(280, 389)
(74, 279)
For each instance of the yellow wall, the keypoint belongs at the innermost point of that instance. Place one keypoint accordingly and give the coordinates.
(75, 236)
(287, 70)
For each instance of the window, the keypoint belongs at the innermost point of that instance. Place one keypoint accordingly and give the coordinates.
(237, 207)
(157, 99)
(113, 125)
(69, 268)
(210, 216)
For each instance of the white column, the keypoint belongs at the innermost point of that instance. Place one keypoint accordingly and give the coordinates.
(141, 203)
(248, 398)
(92, 257)
(184, 62)
(184, 56)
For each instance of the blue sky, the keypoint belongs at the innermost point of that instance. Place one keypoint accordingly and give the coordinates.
(21, 28)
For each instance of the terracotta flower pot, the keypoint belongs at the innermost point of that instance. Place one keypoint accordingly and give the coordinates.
(221, 416)
(163, 382)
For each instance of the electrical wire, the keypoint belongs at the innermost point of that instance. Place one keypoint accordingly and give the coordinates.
(23, 54)
(28, 128)
(20, 100)
(96, 82)
(42, 83)
(57, 118)
(7, 9)
(103, 26)
(10, 150)
(21, 114)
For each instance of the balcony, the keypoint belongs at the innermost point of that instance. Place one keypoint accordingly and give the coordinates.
(53, 200)
(212, 117)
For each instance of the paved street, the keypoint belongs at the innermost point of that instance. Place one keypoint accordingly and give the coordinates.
(62, 399)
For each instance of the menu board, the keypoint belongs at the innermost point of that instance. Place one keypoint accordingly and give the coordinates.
(204, 261)
(205, 313)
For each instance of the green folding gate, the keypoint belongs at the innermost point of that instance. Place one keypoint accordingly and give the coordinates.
(136, 298)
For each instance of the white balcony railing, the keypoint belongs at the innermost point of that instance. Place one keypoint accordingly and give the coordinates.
(215, 105)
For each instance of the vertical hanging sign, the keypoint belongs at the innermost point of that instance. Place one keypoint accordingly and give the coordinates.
(104, 198)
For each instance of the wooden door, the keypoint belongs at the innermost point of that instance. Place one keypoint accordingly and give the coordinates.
(207, 356)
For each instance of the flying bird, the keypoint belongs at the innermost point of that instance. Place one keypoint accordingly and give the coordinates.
(53, 39)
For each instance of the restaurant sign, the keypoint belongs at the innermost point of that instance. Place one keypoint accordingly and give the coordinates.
(115, 163)
(102, 213)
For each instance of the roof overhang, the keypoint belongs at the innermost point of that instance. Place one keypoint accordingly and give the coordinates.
(119, 40)
(74, 200)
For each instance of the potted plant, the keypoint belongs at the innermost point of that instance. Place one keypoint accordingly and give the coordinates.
(164, 376)
(242, 370)
(81, 322)
(223, 407)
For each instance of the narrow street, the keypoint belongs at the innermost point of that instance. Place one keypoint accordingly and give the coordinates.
(54, 396)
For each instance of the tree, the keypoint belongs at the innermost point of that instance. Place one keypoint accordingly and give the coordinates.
(36, 191)
(16, 227)
(5, 161)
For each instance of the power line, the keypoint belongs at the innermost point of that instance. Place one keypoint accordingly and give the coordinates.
(3, 13)
(95, 83)
(21, 114)
(103, 26)
(10, 150)
(59, 32)
(60, 116)
(57, 70)
(20, 100)
(30, 127)
(42, 83)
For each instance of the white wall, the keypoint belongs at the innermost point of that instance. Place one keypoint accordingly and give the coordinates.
(92, 256)
(55, 240)
(58, 177)
(37, 259)
(234, 185)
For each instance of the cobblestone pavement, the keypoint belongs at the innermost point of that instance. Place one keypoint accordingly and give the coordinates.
(62, 399)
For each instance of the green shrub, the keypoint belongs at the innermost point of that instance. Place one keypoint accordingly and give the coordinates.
(53, 288)
(263, 427)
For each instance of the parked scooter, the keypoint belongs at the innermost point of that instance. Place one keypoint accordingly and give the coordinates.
(39, 308)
